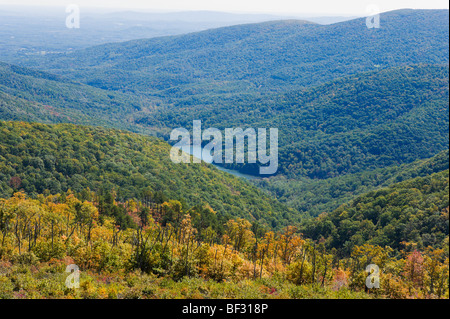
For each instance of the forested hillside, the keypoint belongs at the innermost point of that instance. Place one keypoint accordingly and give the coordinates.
(31, 95)
(380, 116)
(366, 121)
(168, 252)
(37, 31)
(363, 176)
(13, 108)
(411, 213)
(315, 196)
(337, 140)
(44, 159)
(264, 57)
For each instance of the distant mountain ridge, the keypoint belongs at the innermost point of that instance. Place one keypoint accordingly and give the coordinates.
(35, 30)
(264, 57)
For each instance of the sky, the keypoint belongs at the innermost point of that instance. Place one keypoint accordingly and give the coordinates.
(315, 7)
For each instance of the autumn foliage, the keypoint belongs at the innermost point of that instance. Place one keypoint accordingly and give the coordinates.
(62, 229)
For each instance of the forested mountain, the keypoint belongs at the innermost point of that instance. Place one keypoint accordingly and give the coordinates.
(27, 31)
(31, 95)
(40, 158)
(384, 116)
(13, 108)
(369, 121)
(182, 259)
(413, 212)
(365, 121)
(264, 57)
(381, 115)
(169, 253)
(337, 140)
(148, 245)
(316, 196)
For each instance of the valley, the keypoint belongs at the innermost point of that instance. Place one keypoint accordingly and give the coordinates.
(86, 174)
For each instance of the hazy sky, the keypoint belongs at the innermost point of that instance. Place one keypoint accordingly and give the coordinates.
(329, 7)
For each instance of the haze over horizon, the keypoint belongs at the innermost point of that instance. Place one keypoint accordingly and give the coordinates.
(283, 7)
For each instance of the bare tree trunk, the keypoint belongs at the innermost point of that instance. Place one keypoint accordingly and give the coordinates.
(52, 234)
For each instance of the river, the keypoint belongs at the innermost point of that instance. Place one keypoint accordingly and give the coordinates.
(197, 152)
